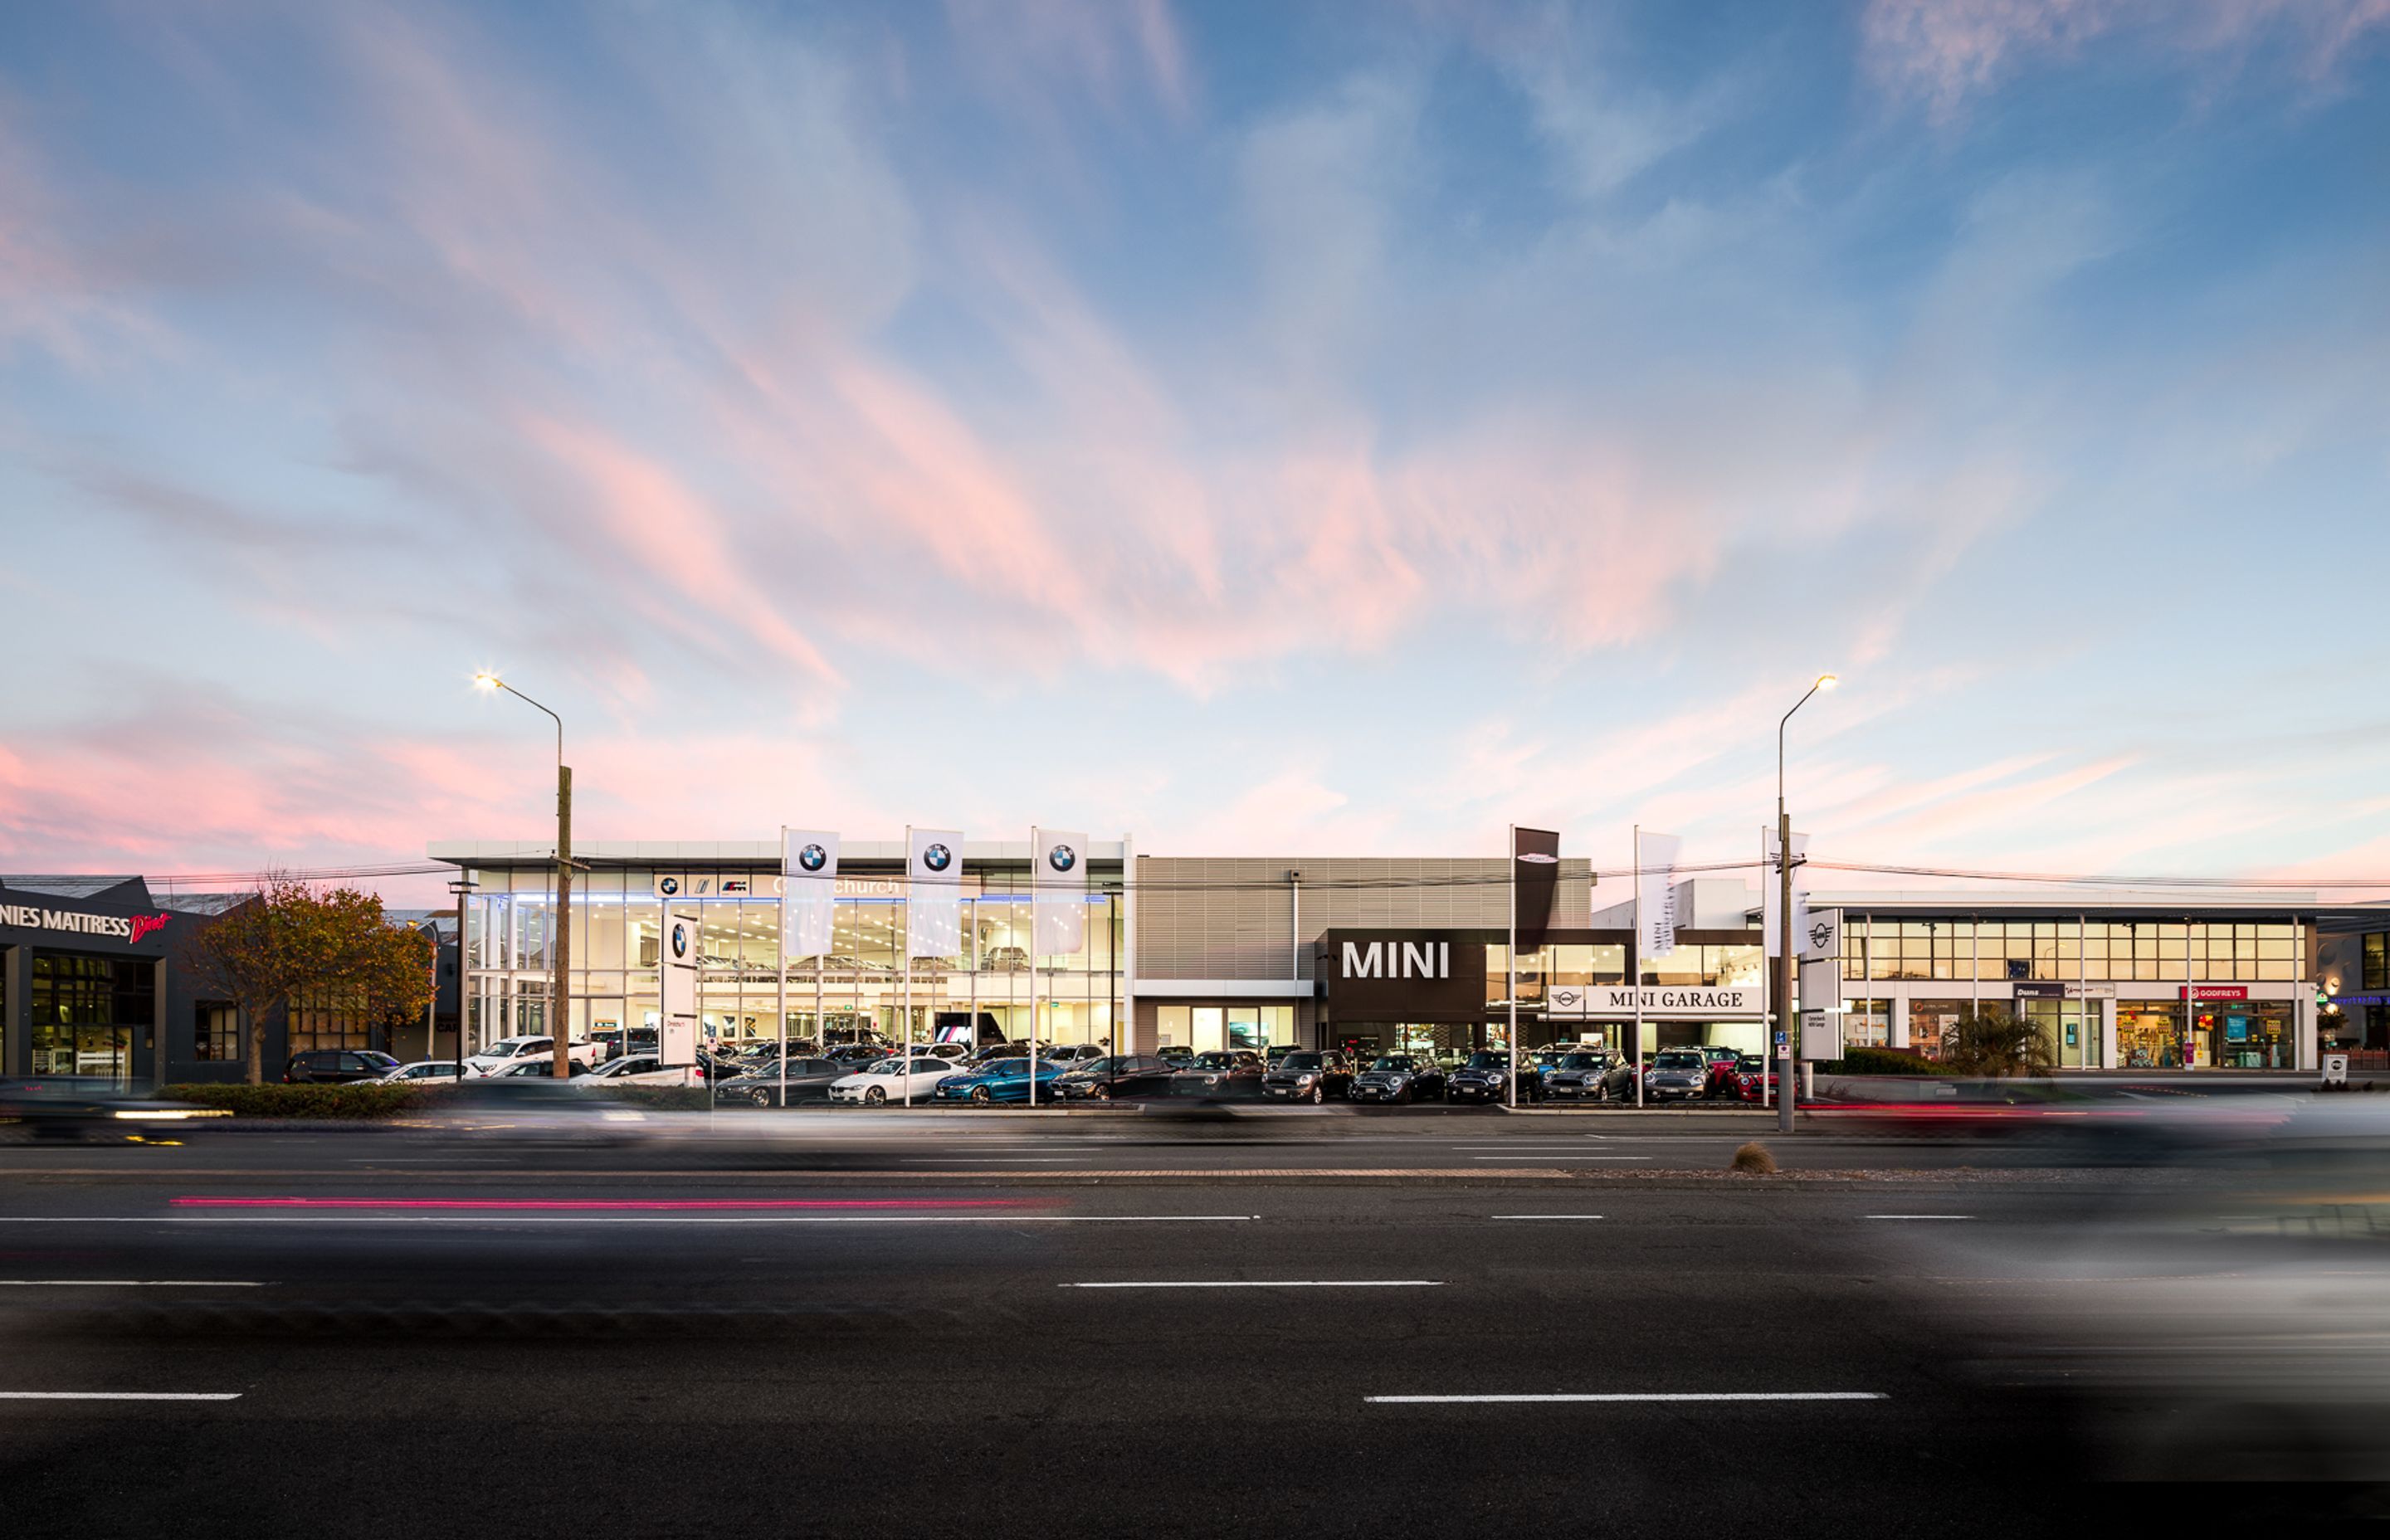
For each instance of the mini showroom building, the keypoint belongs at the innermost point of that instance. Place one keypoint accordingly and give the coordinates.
(1383, 953)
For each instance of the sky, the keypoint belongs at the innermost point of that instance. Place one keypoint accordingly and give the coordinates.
(1270, 429)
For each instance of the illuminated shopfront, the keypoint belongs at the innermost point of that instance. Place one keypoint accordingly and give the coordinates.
(863, 988)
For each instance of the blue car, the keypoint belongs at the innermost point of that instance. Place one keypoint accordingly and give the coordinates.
(1003, 1080)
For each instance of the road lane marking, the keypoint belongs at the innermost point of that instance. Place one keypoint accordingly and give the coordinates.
(1295, 1283)
(987, 1159)
(1918, 1216)
(1544, 1216)
(595, 1204)
(120, 1395)
(1627, 1397)
(635, 1219)
(1572, 1156)
(125, 1283)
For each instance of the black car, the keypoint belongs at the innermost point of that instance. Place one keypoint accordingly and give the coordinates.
(336, 1067)
(1582, 1077)
(1120, 1077)
(1486, 1077)
(1398, 1077)
(809, 1081)
(1233, 1072)
(1307, 1076)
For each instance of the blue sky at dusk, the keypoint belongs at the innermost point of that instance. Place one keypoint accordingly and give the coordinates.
(1310, 429)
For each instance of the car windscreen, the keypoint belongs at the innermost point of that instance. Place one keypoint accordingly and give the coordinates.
(1215, 1060)
(1489, 1061)
(1582, 1061)
(1300, 1062)
(1680, 1061)
(1389, 1062)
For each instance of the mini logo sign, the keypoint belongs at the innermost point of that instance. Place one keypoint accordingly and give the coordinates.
(1061, 858)
(1399, 959)
(668, 886)
(937, 857)
(1568, 1000)
(813, 858)
(679, 940)
(1819, 934)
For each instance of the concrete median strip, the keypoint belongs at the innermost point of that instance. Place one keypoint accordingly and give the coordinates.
(1624, 1398)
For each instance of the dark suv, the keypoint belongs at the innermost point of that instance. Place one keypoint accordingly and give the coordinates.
(1398, 1077)
(1308, 1076)
(336, 1067)
(1486, 1077)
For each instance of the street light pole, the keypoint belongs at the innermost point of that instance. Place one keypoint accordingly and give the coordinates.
(561, 950)
(463, 888)
(1785, 1029)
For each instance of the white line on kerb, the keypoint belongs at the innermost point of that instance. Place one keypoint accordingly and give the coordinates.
(1297, 1283)
(120, 1395)
(1920, 1217)
(1638, 1396)
(1544, 1216)
(124, 1283)
(644, 1219)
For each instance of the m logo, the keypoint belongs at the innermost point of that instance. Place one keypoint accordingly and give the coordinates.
(1061, 858)
(937, 857)
(813, 858)
(1399, 959)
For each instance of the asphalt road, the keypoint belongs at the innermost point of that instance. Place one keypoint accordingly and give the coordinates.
(778, 1331)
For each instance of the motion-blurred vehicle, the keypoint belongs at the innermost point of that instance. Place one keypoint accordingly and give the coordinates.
(1001, 1080)
(1580, 1076)
(1486, 1077)
(1677, 1074)
(336, 1067)
(92, 1112)
(424, 1071)
(507, 1051)
(1398, 1077)
(892, 1080)
(1124, 1078)
(642, 1069)
(543, 1068)
(1308, 1075)
(1219, 1075)
(809, 1081)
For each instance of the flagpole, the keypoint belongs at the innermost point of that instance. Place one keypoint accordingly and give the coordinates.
(1635, 973)
(1033, 966)
(904, 993)
(780, 974)
(1511, 992)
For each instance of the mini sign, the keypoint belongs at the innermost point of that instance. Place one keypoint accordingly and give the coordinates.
(1665, 1002)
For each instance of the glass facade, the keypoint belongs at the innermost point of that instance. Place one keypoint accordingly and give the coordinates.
(864, 987)
(2010, 951)
(86, 1011)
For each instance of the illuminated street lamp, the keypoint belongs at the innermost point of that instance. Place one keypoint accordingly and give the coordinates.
(561, 951)
(1784, 1021)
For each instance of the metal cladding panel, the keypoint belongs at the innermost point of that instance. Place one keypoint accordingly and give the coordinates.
(1232, 916)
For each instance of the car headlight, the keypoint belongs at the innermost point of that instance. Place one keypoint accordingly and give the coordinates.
(1304, 1080)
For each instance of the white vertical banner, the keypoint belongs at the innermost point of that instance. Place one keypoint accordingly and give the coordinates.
(934, 892)
(1058, 882)
(1771, 885)
(1655, 884)
(808, 891)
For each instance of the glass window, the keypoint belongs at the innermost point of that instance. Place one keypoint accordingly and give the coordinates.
(216, 1034)
(1171, 1024)
(1208, 1029)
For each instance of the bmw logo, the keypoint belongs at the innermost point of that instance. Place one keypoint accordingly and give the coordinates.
(1061, 858)
(668, 886)
(813, 858)
(680, 940)
(937, 857)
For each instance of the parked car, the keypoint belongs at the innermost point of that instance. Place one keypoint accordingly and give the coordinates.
(1751, 1072)
(424, 1071)
(856, 1053)
(1722, 1064)
(1307, 1076)
(1073, 1053)
(1677, 1074)
(1176, 1053)
(1486, 1077)
(1221, 1073)
(506, 1050)
(1581, 1076)
(953, 1053)
(643, 1069)
(892, 1079)
(1119, 1078)
(1275, 1052)
(336, 1067)
(1398, 1077)
(809, 1079)
(999, 1079)
(535, 1068)
(1005, 959)
(615, 1044)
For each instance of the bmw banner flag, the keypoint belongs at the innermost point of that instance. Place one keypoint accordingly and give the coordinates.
(1058, 878)
(1535, 878)
(934, 892)
(808, 890)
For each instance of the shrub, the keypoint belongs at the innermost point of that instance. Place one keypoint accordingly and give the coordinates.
(1890, 1061)
(1996, 1044)
(304, 1101)
(1755, 1160)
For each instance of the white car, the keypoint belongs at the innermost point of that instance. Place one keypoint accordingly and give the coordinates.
(426, 1071)
(507, 1050)
(889, 1080)
(641, 1069)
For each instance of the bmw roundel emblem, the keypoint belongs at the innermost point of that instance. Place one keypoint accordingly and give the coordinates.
(680, 940)
(813, 858)
(937, 857)
(1061, 858)
(668, 886)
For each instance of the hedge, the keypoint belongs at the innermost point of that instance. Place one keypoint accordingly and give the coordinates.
(1890, 1061)
(304, 1101)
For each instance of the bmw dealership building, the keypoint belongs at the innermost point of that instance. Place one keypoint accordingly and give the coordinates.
(1386, 953)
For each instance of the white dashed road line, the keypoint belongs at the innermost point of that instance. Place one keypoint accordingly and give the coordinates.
(1627, 1397)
